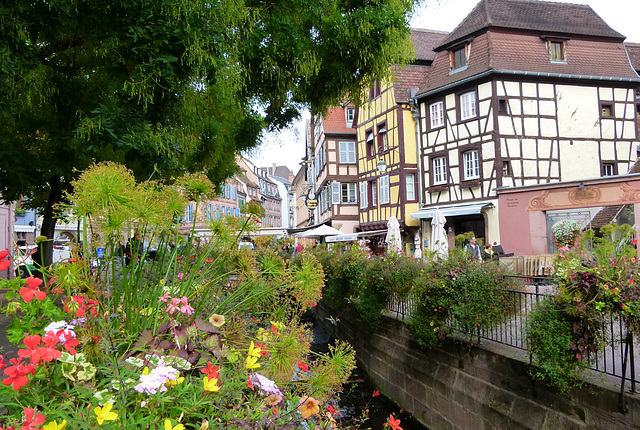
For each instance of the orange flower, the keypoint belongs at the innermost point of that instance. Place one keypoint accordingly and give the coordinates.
(394, 423)
(308, 406)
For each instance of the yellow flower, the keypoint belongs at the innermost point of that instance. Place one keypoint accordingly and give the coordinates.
(308, 406)
(105, 413)
(211, 384)
(253, 351)
(145, 371)
(167, 426)
(217, 320)
(53, 425)
(173, 382)
(251, 362)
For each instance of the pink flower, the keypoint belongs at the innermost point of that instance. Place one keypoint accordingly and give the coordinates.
(164, 298)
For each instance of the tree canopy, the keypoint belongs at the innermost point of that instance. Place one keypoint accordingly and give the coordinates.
(172, 86)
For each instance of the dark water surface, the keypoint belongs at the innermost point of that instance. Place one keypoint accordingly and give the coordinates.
(358, 395)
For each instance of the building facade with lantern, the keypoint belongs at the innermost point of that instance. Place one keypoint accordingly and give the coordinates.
(388, 180)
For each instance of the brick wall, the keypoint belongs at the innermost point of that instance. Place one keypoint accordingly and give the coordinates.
(465, 387)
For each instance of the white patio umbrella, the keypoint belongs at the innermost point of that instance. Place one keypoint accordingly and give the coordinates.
(320, 232)
(393, 238)
(439, 241)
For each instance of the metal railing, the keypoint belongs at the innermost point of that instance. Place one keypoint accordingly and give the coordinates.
(617, 359)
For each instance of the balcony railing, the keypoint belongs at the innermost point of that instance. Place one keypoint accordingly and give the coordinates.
(616, 360)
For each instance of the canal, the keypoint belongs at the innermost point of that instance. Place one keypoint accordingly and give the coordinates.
(358, 396)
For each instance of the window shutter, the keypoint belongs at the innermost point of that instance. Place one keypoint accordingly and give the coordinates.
(363, 195)
(335, 193)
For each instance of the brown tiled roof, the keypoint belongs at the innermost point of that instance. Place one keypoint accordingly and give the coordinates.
(532, 15)
(424, 41)
(509, 51)
(605, 216)
(335, 121)
(633, 49)
(415, 75)
(411, 76)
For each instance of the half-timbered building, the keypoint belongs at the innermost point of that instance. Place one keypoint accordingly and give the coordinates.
(335, 169)
(388, 182)
(522, 93)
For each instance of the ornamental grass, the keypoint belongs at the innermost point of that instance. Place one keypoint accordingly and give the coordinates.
(146, 329)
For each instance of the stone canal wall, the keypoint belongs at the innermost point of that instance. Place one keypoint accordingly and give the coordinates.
(474, 388)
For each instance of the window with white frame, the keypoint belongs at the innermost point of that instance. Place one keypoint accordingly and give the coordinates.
(557, 52)
(351, 113)
(188, 213)
(439, 170)
(374, 193)
(371, 150)
(363, 195)
(335, 193)
(608, 169)
(436, 113)
(468, 105)
(471, 164)
(410, 181)
(347, 152)
(210, 211)
(384, 190)
(349, 193)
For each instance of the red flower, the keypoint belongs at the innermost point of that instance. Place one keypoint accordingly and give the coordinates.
(68, 341)
(2, 363)
(17, 374)
(29, 423)
(376, 393)
(211, 371)
(249, 382)
(37, 353)
(31, 290)
(394, 423)
(4, 260)
(304, 367)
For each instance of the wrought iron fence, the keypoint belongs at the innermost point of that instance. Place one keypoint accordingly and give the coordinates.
(617, 359)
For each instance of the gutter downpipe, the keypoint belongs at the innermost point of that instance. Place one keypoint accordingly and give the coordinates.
(415, 113)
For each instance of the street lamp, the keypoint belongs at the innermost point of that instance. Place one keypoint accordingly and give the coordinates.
(382, 166)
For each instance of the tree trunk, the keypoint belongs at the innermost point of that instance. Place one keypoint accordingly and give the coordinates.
(44, 255)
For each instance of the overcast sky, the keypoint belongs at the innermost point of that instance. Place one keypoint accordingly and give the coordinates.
(288, 147)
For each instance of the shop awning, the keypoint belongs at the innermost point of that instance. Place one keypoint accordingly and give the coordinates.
(19, 228)
(452, 210)
(354, 236)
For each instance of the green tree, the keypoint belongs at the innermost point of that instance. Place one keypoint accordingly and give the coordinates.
(167, 87)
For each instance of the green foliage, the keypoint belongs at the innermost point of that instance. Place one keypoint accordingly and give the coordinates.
(382, 278)
(169, 87)
(460, 292)
(463, 238)
(190, 307)
(552, 341)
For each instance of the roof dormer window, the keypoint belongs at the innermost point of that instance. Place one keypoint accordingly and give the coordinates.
(557, 52)
(459, 58)
(350, 114)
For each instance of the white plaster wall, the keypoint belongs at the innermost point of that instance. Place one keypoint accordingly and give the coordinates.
(544, 148)
(578, 112)
(579, 160)
(529, 148)
(548, 127)
(607, 150)
(530, 168)
(484, 91)
(513, 88)
(529, 89)
(514, 107)
(605, 94)
(488, 150)
(546, 91)
(531, 127)
(505, 126)
(607, 127)
(547, 107)
(530, 107)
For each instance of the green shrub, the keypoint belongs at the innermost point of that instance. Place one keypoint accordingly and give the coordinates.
(552, 341)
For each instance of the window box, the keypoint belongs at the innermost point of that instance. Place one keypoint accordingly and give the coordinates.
(438, 188)
(470, 184)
